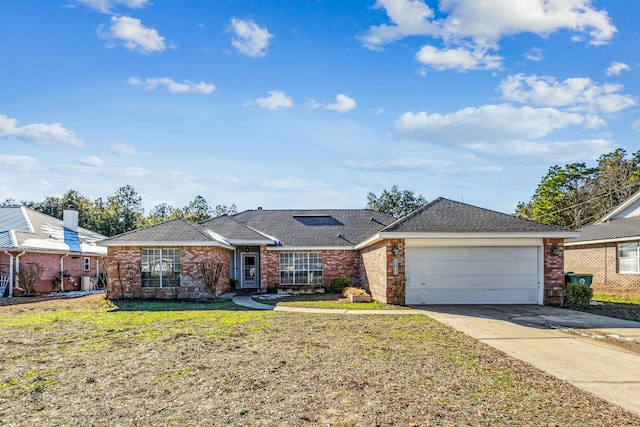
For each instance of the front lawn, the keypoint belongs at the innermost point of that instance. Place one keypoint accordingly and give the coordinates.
(327, 300)
(82, 362)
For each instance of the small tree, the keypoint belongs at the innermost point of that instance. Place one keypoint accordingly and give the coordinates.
(395, 202)
(210, 275)
(28, 275)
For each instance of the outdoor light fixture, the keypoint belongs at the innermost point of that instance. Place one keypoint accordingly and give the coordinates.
(395, 251)
(246, 248)
(555, 251)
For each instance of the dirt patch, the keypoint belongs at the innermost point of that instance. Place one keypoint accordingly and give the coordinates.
(79, 362)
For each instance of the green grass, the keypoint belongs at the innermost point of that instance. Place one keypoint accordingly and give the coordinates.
(618, 299)
(86, 362)
(330, 301)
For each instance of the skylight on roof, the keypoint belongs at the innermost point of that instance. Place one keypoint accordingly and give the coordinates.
(317, 220)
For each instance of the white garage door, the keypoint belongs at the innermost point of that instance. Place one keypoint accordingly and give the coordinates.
(472, 275)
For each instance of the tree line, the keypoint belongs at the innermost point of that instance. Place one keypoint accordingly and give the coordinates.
(570, 197)
(122, 211)
(577, 195)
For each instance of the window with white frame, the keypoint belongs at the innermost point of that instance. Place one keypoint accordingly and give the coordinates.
(300, 268)
(160, 268)
(629, 257)
(86, 265)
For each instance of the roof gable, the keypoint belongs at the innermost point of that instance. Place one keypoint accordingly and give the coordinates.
(629, 208)
(447, 216)
(179, 231)
(315, 228)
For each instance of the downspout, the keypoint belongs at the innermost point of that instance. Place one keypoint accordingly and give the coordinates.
(10, 273)
(18, 272)
(61, 270)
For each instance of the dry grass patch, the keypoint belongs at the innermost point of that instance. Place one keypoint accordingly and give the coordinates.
(84, 363)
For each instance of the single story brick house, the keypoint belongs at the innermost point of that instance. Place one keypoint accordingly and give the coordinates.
(58, 246)
(609, 249)
(443, 253)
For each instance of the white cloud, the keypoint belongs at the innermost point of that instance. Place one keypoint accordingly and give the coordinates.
(403, 164)
(122, 149)
(342, 105)
(636, 125)
(134, 35)
(501, 131)
(487, 123)
(40, 133)
(288, 183)
(187, 86)
(479, 25)
(534, 54)
(105, 6)
(250, 39)
(577, 93)
(93, 161)
(18, 162)
(458, 59)
(616, 68)
(276, 99)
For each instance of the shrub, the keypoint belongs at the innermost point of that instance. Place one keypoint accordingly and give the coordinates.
(338, 284)
(578, 295)
(353, 291)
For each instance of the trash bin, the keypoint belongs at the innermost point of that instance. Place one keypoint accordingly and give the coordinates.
(582, 279)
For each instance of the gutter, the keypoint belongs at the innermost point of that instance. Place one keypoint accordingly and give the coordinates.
(61, 270)
(10, 273)
(17, 271)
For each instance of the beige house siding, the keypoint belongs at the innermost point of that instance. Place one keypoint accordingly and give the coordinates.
(600, 260)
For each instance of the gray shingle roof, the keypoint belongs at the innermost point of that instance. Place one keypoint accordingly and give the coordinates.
(447, 216)
(231, 229)
(619, 229)
(315, 228)
(177, 230)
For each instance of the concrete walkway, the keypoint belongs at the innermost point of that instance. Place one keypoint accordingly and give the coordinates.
(249, 302)
(569, 345)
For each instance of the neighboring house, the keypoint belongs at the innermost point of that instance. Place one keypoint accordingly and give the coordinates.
(444, 253)
(58, 246)
(610, 248)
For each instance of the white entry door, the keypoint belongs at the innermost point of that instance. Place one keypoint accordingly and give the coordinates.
(250, 273)
(472, 275)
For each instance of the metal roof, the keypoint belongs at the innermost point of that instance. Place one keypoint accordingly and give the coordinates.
(618, 229)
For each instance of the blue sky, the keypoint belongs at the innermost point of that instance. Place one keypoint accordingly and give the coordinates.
(311, 104)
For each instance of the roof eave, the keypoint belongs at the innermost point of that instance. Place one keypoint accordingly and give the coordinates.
(467, 235)
(600, 241)
(311, 248)
(163, 243)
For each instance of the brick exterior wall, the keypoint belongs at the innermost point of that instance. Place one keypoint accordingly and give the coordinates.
(341, 263)
(377, 269)
(269, 269)
(553, 271)
(124, 281)
(601, 261)
(73, 265)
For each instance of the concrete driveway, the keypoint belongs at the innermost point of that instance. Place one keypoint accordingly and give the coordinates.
(581, 348)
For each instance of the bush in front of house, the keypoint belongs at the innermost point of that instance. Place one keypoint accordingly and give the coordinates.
(578, 295)
(337, 285)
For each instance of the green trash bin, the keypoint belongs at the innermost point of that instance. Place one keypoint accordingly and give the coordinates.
(582, 279)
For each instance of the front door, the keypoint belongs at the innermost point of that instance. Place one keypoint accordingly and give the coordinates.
(250, 271)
